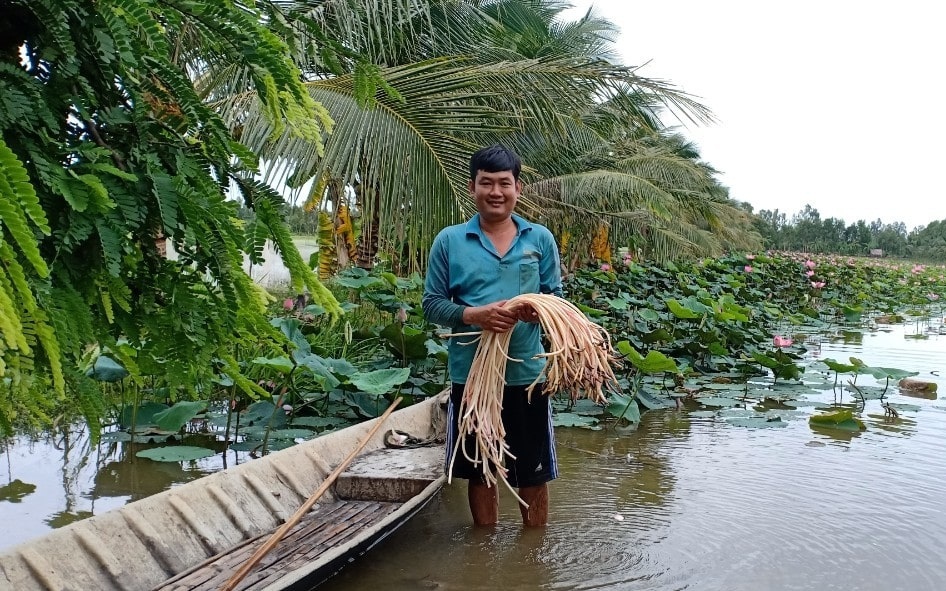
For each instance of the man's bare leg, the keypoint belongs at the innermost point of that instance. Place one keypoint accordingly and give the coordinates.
(484, 503)
(537, 497)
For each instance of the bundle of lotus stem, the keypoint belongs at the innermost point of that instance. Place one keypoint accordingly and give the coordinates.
(578, 362)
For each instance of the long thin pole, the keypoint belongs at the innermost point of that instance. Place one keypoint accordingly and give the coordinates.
(301, 511)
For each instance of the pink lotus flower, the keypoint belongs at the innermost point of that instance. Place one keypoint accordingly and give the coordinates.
(932, 296)
(817, 284)
(809, 273)
(605, 267)
(401, 315)
(918, 269)
(810, 264)
(747, 268)
(780, 341)
(750, 257)
(288, 303)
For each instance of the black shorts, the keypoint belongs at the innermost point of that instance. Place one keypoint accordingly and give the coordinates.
(529, 436)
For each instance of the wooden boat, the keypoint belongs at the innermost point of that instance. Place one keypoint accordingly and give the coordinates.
(194, 537)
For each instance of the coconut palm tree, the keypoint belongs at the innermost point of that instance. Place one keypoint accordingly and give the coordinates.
(455, 75)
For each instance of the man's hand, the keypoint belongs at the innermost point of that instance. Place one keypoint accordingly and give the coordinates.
(494, 317)
(527, 313)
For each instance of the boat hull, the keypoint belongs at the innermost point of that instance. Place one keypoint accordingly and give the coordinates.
(157, 541)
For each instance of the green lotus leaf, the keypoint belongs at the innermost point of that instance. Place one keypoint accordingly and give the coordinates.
(175, 453)
(143, 416)
(718, 401)
(107, 369)
(567, 419)
(648, 315)
(623, 406)
(172, 419)
(842, 419)
(320, 423)
(380, 381)
(890, 373)
(679, 311)
(280, 364)
(757, 422)
(291, 434)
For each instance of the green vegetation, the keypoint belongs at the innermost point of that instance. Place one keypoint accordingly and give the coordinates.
(807, 232)
(713, 334)
(126, 125)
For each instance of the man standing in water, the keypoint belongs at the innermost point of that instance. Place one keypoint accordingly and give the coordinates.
(473, 269)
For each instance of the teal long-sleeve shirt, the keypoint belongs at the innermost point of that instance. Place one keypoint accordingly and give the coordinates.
(465, 270)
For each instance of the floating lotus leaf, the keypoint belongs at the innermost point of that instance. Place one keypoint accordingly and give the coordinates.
(759, 422)
(653, 400)
(569, 419)
(175, 453)
(785, 414)
(115, 437)
(320, 423)
(737, 412)
(725, 387)
(867, 392)
(257, 445)
(902, 407)
(806, 403)
(842, 419)
(586, 407)
(154, 436)
(291, 434)
(718, 401)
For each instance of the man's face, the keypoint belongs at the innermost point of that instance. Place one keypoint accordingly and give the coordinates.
(495, 194)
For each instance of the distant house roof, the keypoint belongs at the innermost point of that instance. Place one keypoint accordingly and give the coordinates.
(876, 252)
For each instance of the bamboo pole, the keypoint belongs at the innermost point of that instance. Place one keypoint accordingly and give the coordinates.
(301, 511)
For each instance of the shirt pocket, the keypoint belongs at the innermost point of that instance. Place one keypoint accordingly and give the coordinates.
(529, 276)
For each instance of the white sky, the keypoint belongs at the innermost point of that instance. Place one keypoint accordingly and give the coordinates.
(834, 103)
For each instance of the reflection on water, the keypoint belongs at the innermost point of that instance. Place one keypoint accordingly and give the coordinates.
(688, 501)
(273, 273)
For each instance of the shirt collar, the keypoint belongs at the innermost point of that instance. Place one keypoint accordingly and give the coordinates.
(473, 226)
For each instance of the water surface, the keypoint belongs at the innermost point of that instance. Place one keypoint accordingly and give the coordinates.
(698, 504)
(685, 502)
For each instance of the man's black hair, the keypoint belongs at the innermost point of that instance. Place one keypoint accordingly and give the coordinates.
(495, 158)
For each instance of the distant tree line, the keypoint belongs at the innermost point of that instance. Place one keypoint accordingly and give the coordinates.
(807, 231)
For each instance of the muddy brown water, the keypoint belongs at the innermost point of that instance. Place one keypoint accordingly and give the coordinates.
(685, 502)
